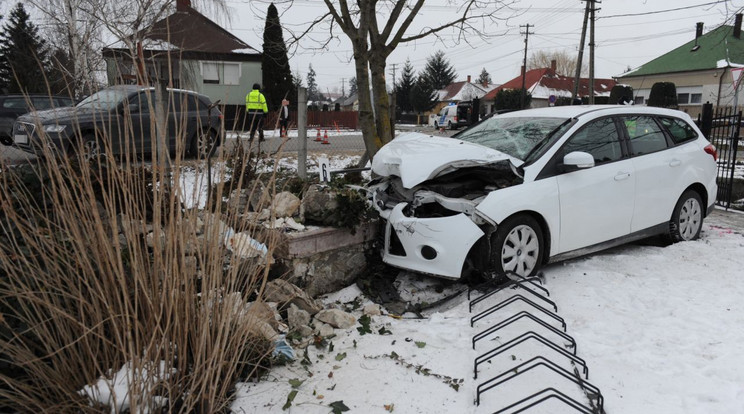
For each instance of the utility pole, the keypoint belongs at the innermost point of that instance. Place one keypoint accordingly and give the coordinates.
(524, 64)
(393, 70)
(591, 52)
(343, 89)
(580, 59)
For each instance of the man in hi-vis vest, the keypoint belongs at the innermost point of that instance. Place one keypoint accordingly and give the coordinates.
(255, 108)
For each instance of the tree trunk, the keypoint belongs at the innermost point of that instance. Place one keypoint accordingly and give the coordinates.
(381, 103)
(372, 140)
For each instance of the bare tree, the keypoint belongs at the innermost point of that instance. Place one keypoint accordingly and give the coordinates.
(565, 62)
(376, 28)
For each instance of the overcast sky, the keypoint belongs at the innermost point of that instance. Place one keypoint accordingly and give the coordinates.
(628, 34)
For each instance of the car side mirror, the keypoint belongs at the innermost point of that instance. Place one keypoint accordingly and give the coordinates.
(577, 160)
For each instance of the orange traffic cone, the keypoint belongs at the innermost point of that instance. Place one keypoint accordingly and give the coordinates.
(317, 137)
(325, 138)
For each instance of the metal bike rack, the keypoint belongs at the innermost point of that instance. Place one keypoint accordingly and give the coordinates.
(521, 339)
(514, 285)
(540, 361)
(509, 301)
(522, 315)
(550, 393)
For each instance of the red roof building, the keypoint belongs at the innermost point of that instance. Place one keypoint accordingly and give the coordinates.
(544, 82)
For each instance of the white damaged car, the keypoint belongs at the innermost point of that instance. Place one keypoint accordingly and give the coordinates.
(525, 188)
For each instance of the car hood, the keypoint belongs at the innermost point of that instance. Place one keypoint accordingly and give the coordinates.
(416, 157)
(61, 114)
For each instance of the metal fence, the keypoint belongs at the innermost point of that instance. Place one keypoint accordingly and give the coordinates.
(722, 127)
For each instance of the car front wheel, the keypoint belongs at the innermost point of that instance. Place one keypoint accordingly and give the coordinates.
(517, 246)
(687, 218)
(90, 148)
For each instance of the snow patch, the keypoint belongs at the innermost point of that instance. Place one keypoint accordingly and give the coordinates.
(113, 391)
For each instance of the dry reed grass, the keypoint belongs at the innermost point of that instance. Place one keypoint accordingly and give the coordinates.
(82, 293)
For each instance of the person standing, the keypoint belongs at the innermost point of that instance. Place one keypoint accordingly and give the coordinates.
(255, 108)
(284, 118)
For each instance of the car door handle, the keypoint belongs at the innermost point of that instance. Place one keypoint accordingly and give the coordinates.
(622, 175)
(675, 162)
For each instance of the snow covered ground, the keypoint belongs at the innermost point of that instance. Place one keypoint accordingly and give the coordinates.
(661, 329)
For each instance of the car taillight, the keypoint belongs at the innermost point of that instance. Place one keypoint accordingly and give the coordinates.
(455, 119)
(711, 149)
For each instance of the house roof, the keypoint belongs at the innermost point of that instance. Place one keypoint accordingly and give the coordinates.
(462, 91)
(717, 49)
(189, 30)
(543, 82)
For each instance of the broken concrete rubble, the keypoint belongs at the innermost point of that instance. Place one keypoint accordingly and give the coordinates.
(323, 329)
(297, 317)
(372, 309)
(285, 204)
(285, 294)
(336, 318)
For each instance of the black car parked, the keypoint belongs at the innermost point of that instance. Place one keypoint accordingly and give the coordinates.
(119, 120)
(13, 106)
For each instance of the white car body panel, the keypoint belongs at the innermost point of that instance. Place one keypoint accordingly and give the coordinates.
(427, 156)
(414, 233)
(605, 215)
(584, 208)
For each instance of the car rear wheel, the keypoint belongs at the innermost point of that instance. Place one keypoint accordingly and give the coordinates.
(517, 246)
(687, 218)
(449, 125)
(203, 144)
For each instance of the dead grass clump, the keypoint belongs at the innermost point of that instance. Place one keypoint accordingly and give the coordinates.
(101, 268)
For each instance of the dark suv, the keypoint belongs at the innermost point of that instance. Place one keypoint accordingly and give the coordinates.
(13, 106)
(119, 120)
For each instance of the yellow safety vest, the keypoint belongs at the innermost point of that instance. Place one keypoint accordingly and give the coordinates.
(255, 101)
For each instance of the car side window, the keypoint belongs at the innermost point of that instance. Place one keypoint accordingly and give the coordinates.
(680, 130)
(15, 103)
(644, 134)
(599, 138)
(141, 101)
(41, 103)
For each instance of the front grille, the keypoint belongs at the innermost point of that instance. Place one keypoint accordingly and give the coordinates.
(24, 128)
(396, 247)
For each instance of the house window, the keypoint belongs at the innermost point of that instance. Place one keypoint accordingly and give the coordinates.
(639, 100)
(221, 73)
(696, 98)
(210, 72)
(683, 98)
(232, 73)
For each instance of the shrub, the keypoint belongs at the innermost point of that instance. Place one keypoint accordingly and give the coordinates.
(86, 287)
(663, 94)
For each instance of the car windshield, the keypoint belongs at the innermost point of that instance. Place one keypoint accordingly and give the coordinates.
(515, 136)
(106, 99)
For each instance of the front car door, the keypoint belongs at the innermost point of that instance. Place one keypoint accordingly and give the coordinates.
(596, 204)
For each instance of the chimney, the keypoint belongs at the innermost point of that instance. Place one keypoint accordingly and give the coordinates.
(183, 5)
(699, 30)
(468, 78)
(553, 64)
(737, 26)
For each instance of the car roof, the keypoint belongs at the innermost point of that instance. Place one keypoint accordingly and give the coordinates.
(577, 111)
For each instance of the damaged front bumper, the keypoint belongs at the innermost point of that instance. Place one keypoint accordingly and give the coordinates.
(437, 245)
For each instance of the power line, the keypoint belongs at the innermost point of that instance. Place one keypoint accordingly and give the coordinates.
(663, 11)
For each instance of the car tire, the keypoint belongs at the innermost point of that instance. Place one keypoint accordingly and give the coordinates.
(687, 218)
(90, 148)
(203, 144)
(449, 125)
(517, 246)
(436, 125)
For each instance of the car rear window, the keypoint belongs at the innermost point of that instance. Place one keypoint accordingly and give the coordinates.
(680, 130)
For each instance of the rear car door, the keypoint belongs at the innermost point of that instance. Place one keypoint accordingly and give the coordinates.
(658, 165)
(596, 204)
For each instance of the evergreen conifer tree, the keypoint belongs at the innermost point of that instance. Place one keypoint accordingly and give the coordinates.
(352, 86)
(23, 55)
(403, 87)
(484, 78)
(277, 76)
(313, 94)
(422, 96)
(438, 71)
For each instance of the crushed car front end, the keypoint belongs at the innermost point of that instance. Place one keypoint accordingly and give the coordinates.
(427, 197)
